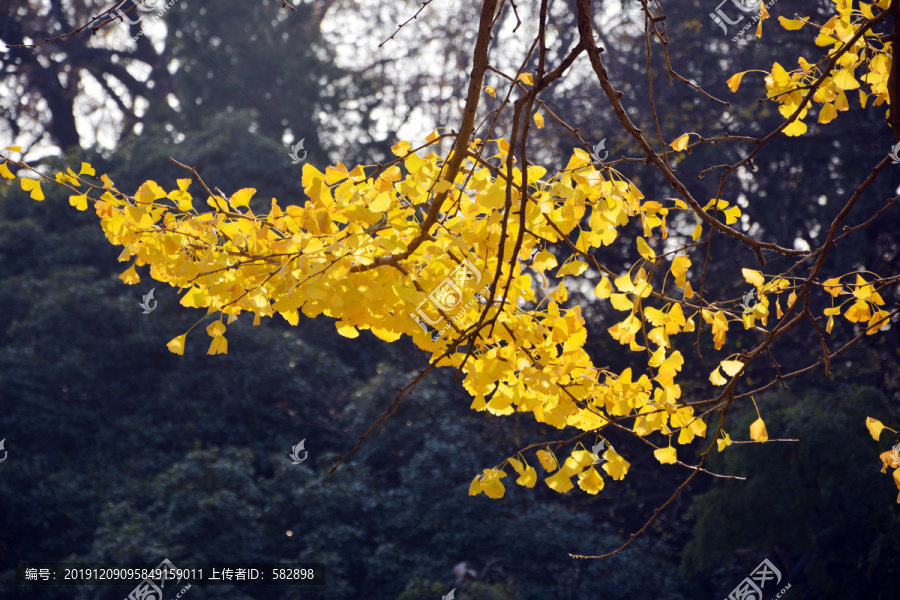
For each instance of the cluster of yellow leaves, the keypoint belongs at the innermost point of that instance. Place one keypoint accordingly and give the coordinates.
(868, 59)
(320, 258)
(580, 463)
(865, 307)
(890, 458)
(356, 251)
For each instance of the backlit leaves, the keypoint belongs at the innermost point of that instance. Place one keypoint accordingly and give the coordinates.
(758, 431)
(33, 186)
(681, 143)
(176, 345)
(356, 251)
(666, 456)
(863, 65)
(875, 427)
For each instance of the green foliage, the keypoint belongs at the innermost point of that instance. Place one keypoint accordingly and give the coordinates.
(809, 505)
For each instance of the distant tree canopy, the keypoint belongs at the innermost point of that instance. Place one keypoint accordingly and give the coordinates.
(488, 262)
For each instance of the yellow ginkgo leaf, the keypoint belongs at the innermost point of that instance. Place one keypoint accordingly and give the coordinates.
(347, 330)
(33, 186)
(527, 79)
(716, 377)
(758, 431)
(604, 288)
(130, 276)
(698, 230)
(681, 144)
(827, 113)
(539, 120)
(875, 427)
(559, 482)
(528, 478)
(216, 329)
(792, 24)
(543, 261)
(401, 149)
(79, 202)
(796, 128)
(475, 486)
(491, 484)
(86, 169)
(833, 286)
(242, 197)
(763, 15)
(732, 214)
(219, 345)
(624, 283)
(527, 474)
(490, 91)
(723, 443)
(621, 301)
(845, 80)
(889, 459)
(734, 82)
(615, 465)
(5, 172)
(753, 277)
(732, 367)
(666, 456)
(644, 250)
(590, 481)
(842, 104)
(176, 345)
(548, 461)
(576, 267)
